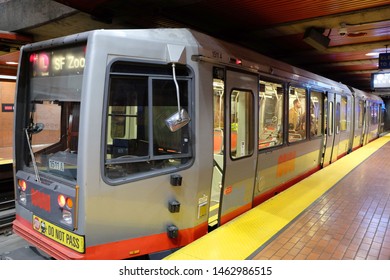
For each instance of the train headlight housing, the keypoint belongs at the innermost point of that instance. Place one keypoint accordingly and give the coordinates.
(22, 197)
(22, 186)
(69, 203)
(61, 200)
(67, 217)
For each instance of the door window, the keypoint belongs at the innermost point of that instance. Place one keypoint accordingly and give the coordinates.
(343, 114)
(297, 114)
(241, 123)
(316, 105)
(270, 114)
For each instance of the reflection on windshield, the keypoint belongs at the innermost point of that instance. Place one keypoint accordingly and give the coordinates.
(53, 135)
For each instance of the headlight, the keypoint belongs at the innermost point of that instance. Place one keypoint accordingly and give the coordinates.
(67, 217)
(22, 197)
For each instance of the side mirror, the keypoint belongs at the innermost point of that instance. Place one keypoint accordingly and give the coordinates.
(180, 118)
(177, 120)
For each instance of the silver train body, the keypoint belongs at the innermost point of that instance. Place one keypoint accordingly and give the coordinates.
(133, 142)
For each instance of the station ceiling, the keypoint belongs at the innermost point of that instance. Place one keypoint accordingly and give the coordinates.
(331, 38)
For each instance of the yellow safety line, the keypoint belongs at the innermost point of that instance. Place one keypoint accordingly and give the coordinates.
(239, 238)
(5, 161)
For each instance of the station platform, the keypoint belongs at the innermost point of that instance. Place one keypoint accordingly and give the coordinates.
(341, 212)
(5, 155)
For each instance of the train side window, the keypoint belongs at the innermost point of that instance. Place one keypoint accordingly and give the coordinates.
(218, 89)
(297, 114)
(270, 114)
(337, 118)
(343, 114)
(241, 123)
(331, 121)
(374, 113)
(360, 113)
(316, 107)
(118, 121)
(138, 141)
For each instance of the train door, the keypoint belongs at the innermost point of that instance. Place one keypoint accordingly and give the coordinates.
(366, 122)
(235, 163)
(344, 119)
(358, 123)
(332, 128)
(381, 118)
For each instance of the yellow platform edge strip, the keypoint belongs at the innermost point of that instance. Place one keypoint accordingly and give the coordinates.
(241, 237)
(5, 161)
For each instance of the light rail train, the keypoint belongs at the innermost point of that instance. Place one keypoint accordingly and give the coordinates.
(136, 142)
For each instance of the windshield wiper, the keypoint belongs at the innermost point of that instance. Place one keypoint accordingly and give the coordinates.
(33, 129)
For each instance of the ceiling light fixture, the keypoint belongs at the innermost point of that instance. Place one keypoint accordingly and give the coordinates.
(7, 77)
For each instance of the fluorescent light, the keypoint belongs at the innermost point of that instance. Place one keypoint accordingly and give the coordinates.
(6, 77)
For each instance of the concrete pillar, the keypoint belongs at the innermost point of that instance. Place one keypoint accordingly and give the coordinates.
(17, 15)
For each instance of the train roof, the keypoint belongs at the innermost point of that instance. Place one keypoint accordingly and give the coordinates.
(204, 47)
(261, 63)
(365, 95)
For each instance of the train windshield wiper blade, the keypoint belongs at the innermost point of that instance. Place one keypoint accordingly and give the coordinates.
(27, 130)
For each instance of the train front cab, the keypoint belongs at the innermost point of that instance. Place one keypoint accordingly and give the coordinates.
(113, 180)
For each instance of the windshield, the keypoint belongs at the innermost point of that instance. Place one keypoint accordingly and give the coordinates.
(53, 109)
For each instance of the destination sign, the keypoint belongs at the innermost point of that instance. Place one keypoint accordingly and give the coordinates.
(380, 80)
(384, 61)
(58, 62)
(7, 107)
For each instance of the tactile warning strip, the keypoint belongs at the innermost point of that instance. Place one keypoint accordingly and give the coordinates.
(241, 237)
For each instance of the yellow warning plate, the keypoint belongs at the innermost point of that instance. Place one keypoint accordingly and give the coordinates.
(60, 235)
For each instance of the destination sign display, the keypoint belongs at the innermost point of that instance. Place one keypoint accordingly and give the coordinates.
(380, 80)
(58, 62)
(7, 107)
(384, 61)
